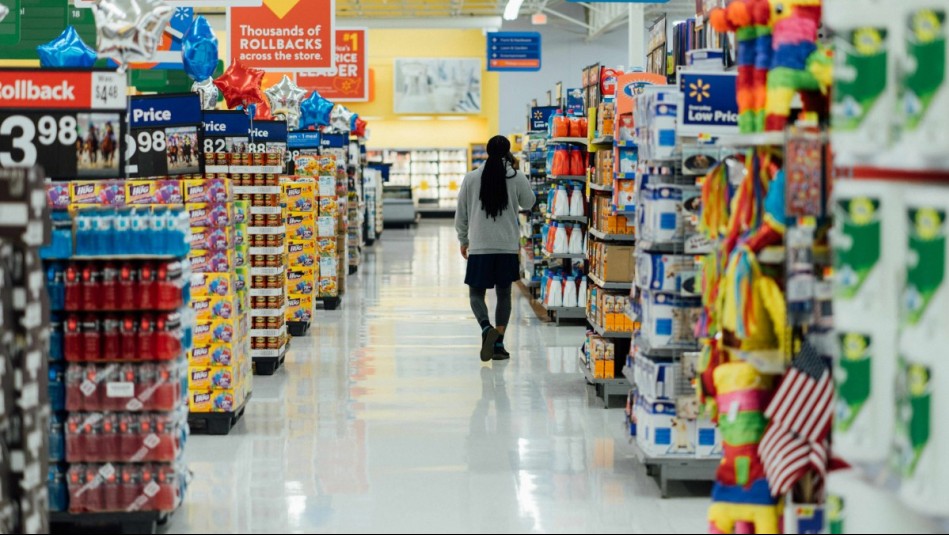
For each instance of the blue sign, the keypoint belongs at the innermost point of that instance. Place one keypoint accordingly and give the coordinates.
(514, 51)
(540, 118)
(303, 140)
(269, 131)
(223, 123)
(708, 105)
(575, 103)
(334, 141)
(166, 110)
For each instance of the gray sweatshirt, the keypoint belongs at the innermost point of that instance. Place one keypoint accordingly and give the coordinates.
(485, 235)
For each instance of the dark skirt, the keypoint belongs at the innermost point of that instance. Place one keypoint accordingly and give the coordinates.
(492, 270)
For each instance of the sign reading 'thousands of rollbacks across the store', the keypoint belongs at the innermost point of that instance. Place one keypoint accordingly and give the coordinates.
(284, 35)
(348, 81)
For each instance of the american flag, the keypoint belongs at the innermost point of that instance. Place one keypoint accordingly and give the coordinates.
(800, 413)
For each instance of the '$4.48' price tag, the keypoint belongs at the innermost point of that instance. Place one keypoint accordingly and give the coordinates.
(70, 123)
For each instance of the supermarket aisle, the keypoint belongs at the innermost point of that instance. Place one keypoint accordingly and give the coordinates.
(384, 419)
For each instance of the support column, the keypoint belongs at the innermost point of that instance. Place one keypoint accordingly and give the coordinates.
(637, 37)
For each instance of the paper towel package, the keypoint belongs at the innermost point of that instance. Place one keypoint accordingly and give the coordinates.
(855, 505)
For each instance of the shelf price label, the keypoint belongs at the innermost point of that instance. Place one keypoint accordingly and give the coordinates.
(165, 137)
(68, 122)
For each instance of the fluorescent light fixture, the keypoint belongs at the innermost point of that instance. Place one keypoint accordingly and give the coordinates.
(417, 118)
(453, 118)
(513, 9)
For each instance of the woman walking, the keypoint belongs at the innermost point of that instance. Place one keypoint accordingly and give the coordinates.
(487, 225)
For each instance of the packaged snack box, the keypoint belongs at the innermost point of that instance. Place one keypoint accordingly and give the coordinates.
(139, 192)
(97, 193)
(215, 400)
(214, 307)
(301, 253)
(210, 214)
(299, 307)
(217, 354)
(201, 190)
(326, 226)
(208, 261)
(301, 281)
(329, 286)
(214, 238)
(327, 246)
(329, 206)
(241, 212)
(213, 284)
(300, 196)
(301, 225)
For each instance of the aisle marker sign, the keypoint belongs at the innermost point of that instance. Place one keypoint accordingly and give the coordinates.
(348, 81)
(334, 141)
(69, 122)
(708, 102)
(165, 137)
(284, 35)
(514, 51)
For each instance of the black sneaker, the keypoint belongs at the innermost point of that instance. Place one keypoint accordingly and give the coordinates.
(488, 338)
(500, 353)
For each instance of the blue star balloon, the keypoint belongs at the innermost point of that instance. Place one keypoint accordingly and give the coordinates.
(315, 111)
(67, 50)
(199, 50)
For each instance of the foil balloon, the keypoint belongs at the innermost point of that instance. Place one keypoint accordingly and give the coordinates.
(292, 118)
(359, 128)
(130, 30)
(262, 110)
(207, 92)
(315, 111)
(285, 96)
(341, 118)
(67, 50)
(240, 84)
(4, 10)
(199, 50)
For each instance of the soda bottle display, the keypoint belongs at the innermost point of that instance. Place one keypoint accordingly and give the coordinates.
(128, 286)
(145, 297)
(91, 340)
(111, 338)
(91, 286)
(128, 333)
(145, 344)
(109, 287)
(72, 288)
(72, 339)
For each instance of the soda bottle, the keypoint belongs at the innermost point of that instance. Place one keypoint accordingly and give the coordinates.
(131, 489)
(57, 387)
(123, 398)
(111, 338)
(92, 490)
(75, 440)
(112, 491)
(128, 333)
(168, 286)
(75, 480)
(164, 447)
(56, 286)
(74, 396)
(73, 287)
(146, 292)
(147, 487)
(72, 339)
(91, 339)
(57, 439)
(145, 388)
(91, 287)
(56, 341)
(109, 296)
(145, 345)
(109, 439)
(91, 429)
(128, 286)
(167, 479)
(89, 389)
(168, 336)
(129, 438)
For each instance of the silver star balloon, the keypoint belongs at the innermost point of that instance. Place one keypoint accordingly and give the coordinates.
(130, 30)
(341, 118)
(285, 97)
(208, 93)
(3, 11)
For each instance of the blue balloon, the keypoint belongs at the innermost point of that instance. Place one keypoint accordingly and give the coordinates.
(199, 50)
(67, 50)
(315, 111)
(352, 122)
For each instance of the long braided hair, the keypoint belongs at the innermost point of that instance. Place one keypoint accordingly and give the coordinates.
(493, 195)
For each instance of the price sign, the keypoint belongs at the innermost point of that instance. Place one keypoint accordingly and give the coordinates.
(268, 136)
(303, 143)
(334, 141)
(226, 131)
(68, 122)
(165, 137)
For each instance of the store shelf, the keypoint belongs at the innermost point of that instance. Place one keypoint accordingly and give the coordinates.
(267, 271)
(578, 140)
(625, 144)
(257, 190)
(667, 468)
(605, 388)
(567, 313)
(569, 218)
(608, 334)
(603, 236)
(610, 285)
(530, 283)
(564, 256)
(759, 139)
(268, 312)
(603, 140)
(661, 247)
(600, 187)
(265, 251)
(269, 353)
(265, 292)
(663, 352)
(577, 178)
(266, 210)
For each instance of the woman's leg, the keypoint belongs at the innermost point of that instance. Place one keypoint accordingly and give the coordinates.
(479, 306)
(502, 314)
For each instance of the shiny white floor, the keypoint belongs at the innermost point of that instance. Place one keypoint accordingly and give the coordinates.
(385, 420)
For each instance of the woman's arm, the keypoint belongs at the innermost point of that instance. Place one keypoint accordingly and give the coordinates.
(461, 214)
(525, 193)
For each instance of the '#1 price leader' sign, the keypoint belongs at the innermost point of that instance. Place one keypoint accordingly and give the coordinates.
(68, 122)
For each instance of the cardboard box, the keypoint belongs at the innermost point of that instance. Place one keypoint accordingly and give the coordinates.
(302, 254)
(214, 307)
(212, 238)
(146, 192)
(218, 353)
(214, 378)
(301, 226)
(661, 432)
(97, 193)
(302, 281)
(329, 206)
(225, 331)
(215, 400)
(329, 286)
(241, 212)
(213, 284)
(300, 196)
(208, 261)
(618, 263)
(327, 247)
(202, 190)
(326, 227)
(211, 214)
(299, 307)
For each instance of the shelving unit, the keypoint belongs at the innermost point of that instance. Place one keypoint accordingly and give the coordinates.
(609, 285)
(603, 236)
(606, 389)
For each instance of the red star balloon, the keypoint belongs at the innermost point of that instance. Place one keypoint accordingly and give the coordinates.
(263, 109)
(360, 129)
(240, 85)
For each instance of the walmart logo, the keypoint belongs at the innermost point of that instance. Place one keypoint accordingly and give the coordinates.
(699, 90)
(538, 115)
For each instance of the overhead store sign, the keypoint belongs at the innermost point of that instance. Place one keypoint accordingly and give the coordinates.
(69, 122)
(303, 142)
(284, 35)
(348, 81)
(540, 118)
(514, 51)
(708, 102)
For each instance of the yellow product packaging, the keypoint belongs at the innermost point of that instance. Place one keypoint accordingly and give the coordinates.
(217, 353)
(328, 165)
(242, 280)
(302, 254)
(301, 225)
(215, 400)
(207, 214)
(241, 235)
(216, 284)
(300, 196)
(329, 286)
(225, 331)
(299, 307)
(327, 246)
(214, 307)
(301, 281)
(214, 378)
(329, 206)
(307, 165)
(97, 193)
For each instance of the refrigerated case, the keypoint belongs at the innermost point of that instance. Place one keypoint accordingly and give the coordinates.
(399, 205)
(435, 175)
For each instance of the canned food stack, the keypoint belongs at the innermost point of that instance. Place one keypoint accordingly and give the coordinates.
(301, 202)
(24, 339)
(118, 281)
(219, 365)
(256, 178)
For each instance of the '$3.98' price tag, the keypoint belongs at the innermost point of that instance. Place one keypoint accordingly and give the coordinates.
(69, 122)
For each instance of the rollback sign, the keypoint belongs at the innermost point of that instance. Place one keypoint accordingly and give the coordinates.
(69, 122)
(284, 35)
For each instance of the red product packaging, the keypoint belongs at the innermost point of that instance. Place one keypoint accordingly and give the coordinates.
(109, 438)
(168, 286)
(167, 390)
(76, 480)
(131, 476)
(145, 346)
(73, 283)
(72, 339)
(128, 286)
(583, 126)
(109, 297)
(91, 339)
(74, 395)
(146, 387)
(75, 438)
(128, 332)
(561, 126)
(111, 338)
(122, 392)
(129, 435)
(166, 447)
(146, 293)
(112, 494)
(91, 287)
(577, 162)
(165, 498)
(92, 490)
(168, 337)
(561, 163)
(575, 127)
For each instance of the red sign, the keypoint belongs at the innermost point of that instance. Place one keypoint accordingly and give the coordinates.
(284, 35)
(33, 88)
(349, 80)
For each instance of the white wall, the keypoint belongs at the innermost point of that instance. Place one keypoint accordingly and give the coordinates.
(565, 53)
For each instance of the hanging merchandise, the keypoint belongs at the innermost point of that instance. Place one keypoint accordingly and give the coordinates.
(285, 98)
(199, 50)
(315, 111)
(240, 85)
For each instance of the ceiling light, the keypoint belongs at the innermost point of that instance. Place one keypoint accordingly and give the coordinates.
(453, 118)
(513, 9)
(416, 118)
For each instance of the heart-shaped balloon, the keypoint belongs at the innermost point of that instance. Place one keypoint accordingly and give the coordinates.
(199, 50)
(208, 93)
(315, 111)
(130, 30)
(240, 84)
(67, 50)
